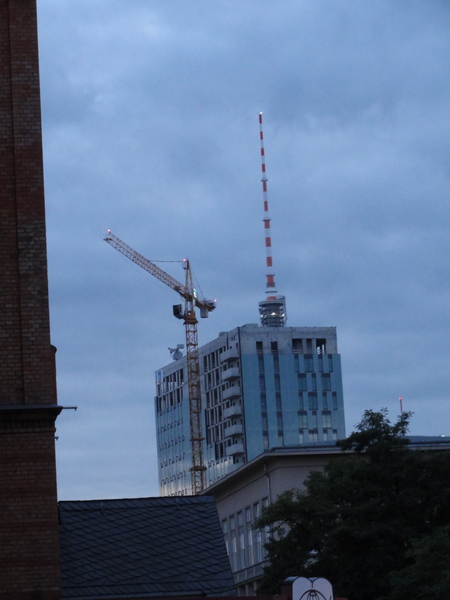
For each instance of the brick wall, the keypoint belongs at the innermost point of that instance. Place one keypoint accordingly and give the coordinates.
(27, 371)
(29, 559)
(29, 543)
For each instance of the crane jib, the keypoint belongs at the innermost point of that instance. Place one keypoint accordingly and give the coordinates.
(198, 469)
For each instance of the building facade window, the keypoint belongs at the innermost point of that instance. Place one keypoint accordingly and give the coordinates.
(233, 545)
(312, 401)
(326, 382)
(301, 401)
(249, 534)
(309, 363)
(334, 400)
(297, 346)
(303, 420)
(326, 419)
(302, 382)
(313, 435)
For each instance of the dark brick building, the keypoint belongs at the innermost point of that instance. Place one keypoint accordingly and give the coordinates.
(29, 555)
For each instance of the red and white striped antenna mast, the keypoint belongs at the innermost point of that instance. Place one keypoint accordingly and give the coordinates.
(272, 310)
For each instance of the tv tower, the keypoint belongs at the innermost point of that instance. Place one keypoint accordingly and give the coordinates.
(272, 310)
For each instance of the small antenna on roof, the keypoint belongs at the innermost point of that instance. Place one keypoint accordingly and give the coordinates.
(176, 353)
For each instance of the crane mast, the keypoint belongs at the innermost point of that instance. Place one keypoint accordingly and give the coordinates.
(191, 301)
(198, 469)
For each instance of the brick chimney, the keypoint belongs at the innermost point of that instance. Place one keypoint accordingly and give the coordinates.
(29, 547)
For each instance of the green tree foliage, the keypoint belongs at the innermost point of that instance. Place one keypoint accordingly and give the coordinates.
(375, 522)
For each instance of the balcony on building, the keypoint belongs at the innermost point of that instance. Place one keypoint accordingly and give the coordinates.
(232, 411)
(230, 354)
(233, 430)
(232, 392)
(230, 374)
(234, 449)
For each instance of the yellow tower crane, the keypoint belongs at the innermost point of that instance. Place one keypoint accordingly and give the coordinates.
(191, 301)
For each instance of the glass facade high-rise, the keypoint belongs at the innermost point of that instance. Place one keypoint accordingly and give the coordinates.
(261, 387)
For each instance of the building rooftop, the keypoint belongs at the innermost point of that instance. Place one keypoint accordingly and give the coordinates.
(315, 450)
(143, 547)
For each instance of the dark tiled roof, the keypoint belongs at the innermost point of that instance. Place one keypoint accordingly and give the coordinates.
(143, 547)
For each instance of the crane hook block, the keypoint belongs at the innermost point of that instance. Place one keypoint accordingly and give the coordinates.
(178, 311)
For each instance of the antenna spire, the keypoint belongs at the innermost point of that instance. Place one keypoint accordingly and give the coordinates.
(270, 276)
(272, 310)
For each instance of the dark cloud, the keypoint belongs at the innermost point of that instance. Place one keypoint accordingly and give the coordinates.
(150, 129)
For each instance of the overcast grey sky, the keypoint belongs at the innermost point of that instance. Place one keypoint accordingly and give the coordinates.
(150, 117)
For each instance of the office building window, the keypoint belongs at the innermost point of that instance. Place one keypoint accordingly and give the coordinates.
(321, 346)
(303, 420)
(313, 435)
(334, 400)
(278, 400)
(297, 346)
(280, 420)
(241, 536)
(302, 384)
(258, 545)
(263, 402)
(233, 545)
(276, 364)
(326, 382)
(262, 383)
(225, 534)
(312, 401)
(277, 382)
(326, 419)
(249, 534)
(265, 504)
(261, 364)
(301, 404)
(330, 363)
(265, 424)
(309, 364)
